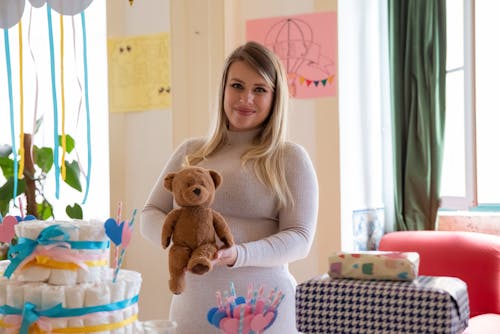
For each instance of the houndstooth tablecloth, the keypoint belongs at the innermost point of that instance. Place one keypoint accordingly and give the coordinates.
(427, 305)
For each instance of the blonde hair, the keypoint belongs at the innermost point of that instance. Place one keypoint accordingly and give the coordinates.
(268, 150)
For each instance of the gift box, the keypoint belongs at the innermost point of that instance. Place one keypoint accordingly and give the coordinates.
(425, 305)
(374, 265)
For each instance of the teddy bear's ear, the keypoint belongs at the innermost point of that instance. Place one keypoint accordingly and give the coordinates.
(216, 177)
(167, 182)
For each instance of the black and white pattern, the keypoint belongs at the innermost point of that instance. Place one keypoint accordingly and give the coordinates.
(428, 305)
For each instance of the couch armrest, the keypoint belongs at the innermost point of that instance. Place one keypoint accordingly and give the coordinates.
(470, 256)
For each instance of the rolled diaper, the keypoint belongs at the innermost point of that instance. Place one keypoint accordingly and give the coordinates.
(53, 296)
(66, 276)
(133, 282)
(33, 294)
(96, 295)
(117, 295)
(92, 231)
(3, 291)
(75, 298)
(14, 295)
(31, 230)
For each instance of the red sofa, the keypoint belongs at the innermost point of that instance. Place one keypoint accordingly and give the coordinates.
(473, 257)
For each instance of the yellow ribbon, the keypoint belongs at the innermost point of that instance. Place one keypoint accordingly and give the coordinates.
(63, 114)
(35, 329)
(97, 328)
(47, 262)
(21, 98)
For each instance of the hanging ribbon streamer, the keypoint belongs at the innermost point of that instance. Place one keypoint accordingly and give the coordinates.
(11, 100)
(78, 81)
(63, 103)
(36, 79)
(54, 100)
(87, 108)
(21, 104)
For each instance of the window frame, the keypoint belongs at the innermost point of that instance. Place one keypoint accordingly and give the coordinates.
(470, 200)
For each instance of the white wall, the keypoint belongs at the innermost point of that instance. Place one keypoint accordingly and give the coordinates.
(202, 33)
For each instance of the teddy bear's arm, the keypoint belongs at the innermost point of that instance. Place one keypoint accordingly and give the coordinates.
(168, 227)
(222, 229)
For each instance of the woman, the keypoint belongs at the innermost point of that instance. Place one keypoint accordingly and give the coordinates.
(269, 193)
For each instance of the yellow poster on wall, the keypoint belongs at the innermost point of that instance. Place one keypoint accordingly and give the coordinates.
(139, 73)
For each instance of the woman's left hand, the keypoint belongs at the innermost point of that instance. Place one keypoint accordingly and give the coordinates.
(226, 256)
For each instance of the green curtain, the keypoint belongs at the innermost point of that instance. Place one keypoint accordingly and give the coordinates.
(417, 56)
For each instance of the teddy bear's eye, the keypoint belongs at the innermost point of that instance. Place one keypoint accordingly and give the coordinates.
(189, 184)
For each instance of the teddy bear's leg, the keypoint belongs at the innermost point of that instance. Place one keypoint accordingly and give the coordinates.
(200, 261)
(178, 258)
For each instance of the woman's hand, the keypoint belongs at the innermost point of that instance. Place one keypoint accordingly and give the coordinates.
(226, 256)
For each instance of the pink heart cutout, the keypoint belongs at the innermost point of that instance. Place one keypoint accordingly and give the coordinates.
(260, 321)
(231, 325)
(7, 231)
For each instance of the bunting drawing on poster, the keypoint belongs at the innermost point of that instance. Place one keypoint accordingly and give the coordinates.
(307, 46)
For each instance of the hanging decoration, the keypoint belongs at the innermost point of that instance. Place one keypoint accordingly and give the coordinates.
(11, 12)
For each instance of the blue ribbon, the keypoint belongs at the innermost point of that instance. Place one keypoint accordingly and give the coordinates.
(11, 105)
(54, 99)
(31, 315)
(53, 234)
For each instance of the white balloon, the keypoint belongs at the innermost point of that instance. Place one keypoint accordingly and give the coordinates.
(69, 7)
(11, 12)
(37, 3)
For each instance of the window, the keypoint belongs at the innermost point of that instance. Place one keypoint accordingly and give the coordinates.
(470, 178)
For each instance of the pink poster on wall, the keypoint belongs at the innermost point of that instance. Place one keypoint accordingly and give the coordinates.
(307, 46)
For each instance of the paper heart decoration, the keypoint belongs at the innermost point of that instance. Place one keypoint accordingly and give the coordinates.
(232, 326)
(215, 316)
(126, 234)
(261, 321)
(114, 231)
(7, 231)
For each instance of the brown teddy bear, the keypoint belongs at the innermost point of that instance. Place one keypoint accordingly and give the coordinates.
(193, 226)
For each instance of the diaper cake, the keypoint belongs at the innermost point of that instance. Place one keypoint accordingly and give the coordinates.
(58, 280)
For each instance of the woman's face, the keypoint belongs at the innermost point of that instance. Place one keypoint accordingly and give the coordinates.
(247, 97)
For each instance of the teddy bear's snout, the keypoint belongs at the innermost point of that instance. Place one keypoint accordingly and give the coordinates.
(197, 191)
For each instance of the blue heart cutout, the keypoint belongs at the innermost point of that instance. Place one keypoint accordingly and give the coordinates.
(114, 231)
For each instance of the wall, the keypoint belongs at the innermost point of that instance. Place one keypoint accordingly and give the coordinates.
(202, 33)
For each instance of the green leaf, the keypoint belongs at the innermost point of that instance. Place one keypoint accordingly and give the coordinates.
(7, 188)
(7, 166)
(45, 210)
(70, 143)
(4, 207)
(74, 211)
(73, 175)
(5, 150)
(44, 158)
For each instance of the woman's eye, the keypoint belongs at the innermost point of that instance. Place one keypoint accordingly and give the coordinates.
(236, 85)
(260, 90)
